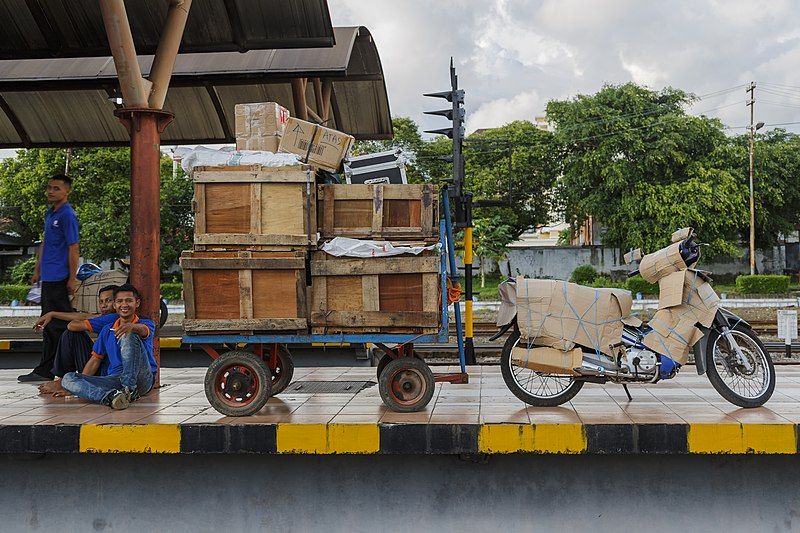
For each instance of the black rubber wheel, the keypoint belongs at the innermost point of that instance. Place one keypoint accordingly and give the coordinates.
(385, 360)
(282, 375)
(406, 385)
(754, 387)
(552, 389)
(238, 384)
(163, 314)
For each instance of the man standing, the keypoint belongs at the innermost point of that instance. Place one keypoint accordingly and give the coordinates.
(75, 345)
(56, 268)
(127, 345)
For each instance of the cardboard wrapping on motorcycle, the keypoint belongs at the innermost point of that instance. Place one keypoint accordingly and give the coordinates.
(562, 315)
(685, 300)
(85, 298)
(681, 235)
(662, 263)
(550, 360)
(633, 255)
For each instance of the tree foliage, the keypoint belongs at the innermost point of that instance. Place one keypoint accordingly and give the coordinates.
(636, 162)
(100, 197)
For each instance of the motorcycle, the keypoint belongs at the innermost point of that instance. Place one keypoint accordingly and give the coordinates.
(564, 335)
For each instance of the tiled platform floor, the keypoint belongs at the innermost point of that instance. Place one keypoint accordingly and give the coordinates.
(485, 400)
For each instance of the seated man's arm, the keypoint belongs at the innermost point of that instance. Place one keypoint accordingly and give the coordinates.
(60, 315)
(81, 324)
(92, 366)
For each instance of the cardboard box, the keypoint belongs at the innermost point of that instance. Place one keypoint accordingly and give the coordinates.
(659, 264)
(562, 315)
(259, 126)
(267, 143)
(681, 235)
(85, 298)
(548, 360)
(685, 301)
(316, 145)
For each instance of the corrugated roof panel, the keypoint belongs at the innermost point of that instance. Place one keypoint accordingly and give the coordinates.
(63, 117)
(362, 108)
(74, 28)
(8, 135)
(195, 115)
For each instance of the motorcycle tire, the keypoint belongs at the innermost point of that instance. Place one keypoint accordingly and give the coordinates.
(720, 368)
(511, 377)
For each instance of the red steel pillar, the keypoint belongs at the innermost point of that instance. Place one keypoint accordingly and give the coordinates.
(145, 127)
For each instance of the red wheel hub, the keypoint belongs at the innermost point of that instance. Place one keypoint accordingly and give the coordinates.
(407, 386)
(236, 385)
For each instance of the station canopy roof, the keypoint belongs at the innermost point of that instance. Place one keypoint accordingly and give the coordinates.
(66, 102)
(36, 29)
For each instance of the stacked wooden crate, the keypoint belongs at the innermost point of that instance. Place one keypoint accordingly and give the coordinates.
(253, 229)
(398, 294)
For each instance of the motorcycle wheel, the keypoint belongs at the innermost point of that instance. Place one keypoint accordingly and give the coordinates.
(732, 380)
(535, 388)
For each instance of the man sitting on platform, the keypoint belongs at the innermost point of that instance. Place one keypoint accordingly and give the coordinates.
(75, 346)
(127, 345)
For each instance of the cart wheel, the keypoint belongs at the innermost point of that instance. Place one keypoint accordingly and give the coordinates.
(282, 374)
(238, 384)
(406, 384)
(385, 360)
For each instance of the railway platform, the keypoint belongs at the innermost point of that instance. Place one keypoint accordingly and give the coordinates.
(682, 416)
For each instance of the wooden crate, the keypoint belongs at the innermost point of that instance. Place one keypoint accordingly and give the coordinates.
(381, 294)
(379, 212)
(254, 207)
(244, 291)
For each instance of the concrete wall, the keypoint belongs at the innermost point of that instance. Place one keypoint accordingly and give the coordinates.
(399, 493)
(559, 262)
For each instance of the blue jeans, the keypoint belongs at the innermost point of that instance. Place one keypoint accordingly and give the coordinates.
(136, 374)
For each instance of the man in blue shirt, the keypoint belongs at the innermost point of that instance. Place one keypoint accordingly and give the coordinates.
(56, 268)
(75, 345)
(127, 345)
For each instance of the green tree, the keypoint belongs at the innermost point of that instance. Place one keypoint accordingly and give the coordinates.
(407, 137)
(492, 236)
(516, 162)
(776, 194)
(101, 198)
(639, 165)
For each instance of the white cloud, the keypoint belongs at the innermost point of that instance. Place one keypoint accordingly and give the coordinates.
(515, 55)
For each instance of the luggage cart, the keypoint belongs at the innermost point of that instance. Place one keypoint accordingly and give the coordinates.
(252, 368)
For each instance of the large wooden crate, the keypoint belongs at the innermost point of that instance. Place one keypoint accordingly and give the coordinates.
(254, 207)
(244, 291)
(379, 212)
(380, 294)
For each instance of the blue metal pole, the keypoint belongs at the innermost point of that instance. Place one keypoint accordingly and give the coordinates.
(444, 331)
(451, 253)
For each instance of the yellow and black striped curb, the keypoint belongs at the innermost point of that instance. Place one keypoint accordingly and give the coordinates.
(6, 345)
(403, 438)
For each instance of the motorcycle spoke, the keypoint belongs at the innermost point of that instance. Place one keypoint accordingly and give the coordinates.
(732, 372)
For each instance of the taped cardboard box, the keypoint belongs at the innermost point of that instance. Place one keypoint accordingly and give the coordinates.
(674, 324)
(681, 235)
(259, 126)
(548, 360)
(655, 266)
(562, 315)
(85, 298)
(316, 145)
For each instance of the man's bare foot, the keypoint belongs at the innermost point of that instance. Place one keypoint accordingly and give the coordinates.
(50, 387)
(62, 393)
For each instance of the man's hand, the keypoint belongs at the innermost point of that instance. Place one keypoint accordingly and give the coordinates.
(72, 285)
(43, 321)
(35, 278)
(124, 329)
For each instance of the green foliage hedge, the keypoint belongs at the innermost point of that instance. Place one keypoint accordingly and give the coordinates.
(638, 284)
(604, 282)
(171, 291)
(762, 284)
(13, 292)
(584, 275)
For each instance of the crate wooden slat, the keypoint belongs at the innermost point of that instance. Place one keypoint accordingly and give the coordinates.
(377, 295)
(379, 212)
(254, 207)
(244, 291)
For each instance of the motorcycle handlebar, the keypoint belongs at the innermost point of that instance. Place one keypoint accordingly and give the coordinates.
(634, 273)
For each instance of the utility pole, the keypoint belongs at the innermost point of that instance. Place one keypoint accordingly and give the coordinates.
(751, 89)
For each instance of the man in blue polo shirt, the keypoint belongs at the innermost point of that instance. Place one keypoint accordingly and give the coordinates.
(127, 345)
(56, 268)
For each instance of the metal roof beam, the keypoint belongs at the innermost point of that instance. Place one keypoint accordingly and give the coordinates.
(223, 121)
(14, 119)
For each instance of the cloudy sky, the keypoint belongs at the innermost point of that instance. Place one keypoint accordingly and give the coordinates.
(513, 56)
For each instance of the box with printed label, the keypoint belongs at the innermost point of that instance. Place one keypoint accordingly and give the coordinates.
(316, 145)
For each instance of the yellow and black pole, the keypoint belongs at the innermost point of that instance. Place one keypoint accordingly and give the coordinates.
(469, 345)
